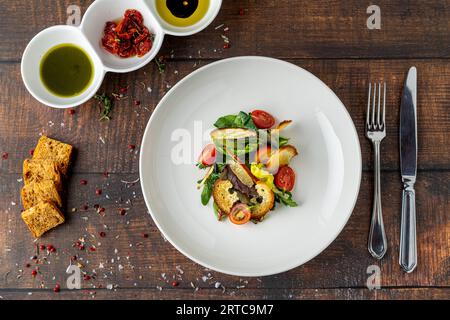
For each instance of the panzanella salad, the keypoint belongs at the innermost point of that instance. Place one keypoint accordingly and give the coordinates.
(247, 167)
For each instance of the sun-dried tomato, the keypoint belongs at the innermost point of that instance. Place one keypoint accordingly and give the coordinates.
(129, 37)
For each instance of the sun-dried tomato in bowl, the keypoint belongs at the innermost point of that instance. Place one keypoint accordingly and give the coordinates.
(129, 37)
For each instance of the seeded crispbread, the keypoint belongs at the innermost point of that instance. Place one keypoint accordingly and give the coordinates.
(267, 198)
(42, 217)
(36, 192)
(57, 151)
(37, 170)
(224, 195)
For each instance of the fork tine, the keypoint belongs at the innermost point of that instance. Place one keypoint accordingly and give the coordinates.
(379, 104)
(368, 106)
(384, 107)
(374, 104)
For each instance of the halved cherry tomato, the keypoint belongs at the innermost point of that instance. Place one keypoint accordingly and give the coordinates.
(285, 178)
(240, 214)
(208, 155)
(263, 154)
(262, 119)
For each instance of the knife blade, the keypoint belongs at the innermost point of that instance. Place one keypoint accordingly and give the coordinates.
(408, 167)
(408, 125)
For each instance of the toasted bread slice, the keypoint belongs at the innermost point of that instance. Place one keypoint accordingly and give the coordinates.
(267, 198)
(36, 192)
(54, 150)
(280, 158)
(37, 170)
(224, 196)
(42, 217)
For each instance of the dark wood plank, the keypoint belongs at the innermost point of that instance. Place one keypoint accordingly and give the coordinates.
(286, 29)
(22, 118)
(241, 294)
(327, 38)
(151, 262)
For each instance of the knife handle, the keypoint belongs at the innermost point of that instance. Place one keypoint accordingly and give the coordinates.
(408, 244)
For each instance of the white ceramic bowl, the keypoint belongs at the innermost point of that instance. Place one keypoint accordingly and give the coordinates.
(39, 46)
(88, 36)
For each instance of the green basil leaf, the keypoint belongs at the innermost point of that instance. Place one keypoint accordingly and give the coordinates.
(225, 122)
(282, 141)
(242, 120)
(206, 194)
(207, 188)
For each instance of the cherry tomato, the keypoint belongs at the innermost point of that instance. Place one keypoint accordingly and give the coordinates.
(263, 154)
(240, 214)
(262, 119)
(285, 178)
(208, 155)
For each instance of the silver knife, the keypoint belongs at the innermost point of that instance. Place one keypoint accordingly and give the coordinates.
(408, 165)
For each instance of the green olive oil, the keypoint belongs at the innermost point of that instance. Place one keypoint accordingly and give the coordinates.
(66, 70)
(182, 13)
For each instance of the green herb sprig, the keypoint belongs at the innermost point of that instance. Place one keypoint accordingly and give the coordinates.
(107, 103)
(160, 64)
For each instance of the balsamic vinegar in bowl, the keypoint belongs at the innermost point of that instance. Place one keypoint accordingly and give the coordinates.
(182, 13)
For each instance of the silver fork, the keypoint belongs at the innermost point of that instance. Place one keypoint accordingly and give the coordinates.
(375, 132)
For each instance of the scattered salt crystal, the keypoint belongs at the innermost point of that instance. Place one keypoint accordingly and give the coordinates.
(178, 267)
(217, 285)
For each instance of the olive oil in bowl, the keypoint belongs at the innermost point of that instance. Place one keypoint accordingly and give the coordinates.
(66, 70)
(182, 13)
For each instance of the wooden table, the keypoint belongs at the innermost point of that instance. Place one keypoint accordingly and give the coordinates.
(328, 38)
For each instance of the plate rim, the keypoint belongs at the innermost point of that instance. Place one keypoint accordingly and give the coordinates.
(296, 263)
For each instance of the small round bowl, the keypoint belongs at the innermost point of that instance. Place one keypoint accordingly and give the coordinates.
(88, 36)
(38, 47)
(213, 10)
(102, 11)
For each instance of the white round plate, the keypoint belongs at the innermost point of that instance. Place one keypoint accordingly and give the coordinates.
(328, 166)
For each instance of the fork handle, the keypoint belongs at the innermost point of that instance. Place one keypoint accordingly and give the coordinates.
(377, 243)
(408, 245)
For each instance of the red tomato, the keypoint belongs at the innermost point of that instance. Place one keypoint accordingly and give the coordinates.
(208, 155)
(285, 178)
(262, 119)
(240, 214)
